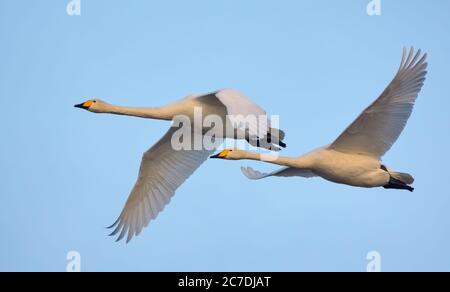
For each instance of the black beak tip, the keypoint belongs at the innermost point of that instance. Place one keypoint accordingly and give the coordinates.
(214, 156)
(80, 106)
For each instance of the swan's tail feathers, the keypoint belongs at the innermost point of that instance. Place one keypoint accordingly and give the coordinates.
(403, 177)
(398, 185)
(272, 141)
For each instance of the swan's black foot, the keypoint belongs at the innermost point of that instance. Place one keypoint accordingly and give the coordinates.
(398, 185)
(267, 143)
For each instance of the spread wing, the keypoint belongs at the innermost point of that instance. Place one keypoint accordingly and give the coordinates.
(374, 132)
(162, 171)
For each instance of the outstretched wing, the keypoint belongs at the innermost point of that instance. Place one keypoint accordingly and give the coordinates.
(162, 171)
(283, 172)
(374, 132)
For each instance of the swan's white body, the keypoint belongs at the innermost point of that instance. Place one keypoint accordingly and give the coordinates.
(350, 169)
(163, 169)
(355, 157)
(332, 165)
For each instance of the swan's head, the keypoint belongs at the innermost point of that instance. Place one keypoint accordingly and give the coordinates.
(230, 154)
(93, 105)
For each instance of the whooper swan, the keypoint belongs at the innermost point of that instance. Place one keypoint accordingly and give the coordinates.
(355, 157)
(163, 168)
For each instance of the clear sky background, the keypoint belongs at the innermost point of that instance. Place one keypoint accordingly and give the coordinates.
(65, 174)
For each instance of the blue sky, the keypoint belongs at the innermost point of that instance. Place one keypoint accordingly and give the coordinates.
(66, 173)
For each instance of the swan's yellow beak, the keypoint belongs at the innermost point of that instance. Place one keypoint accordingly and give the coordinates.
(85, 105)
(222, 154)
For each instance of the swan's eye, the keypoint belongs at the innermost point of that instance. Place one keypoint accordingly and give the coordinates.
(94, 101)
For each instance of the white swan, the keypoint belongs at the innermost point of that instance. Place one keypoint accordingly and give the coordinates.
(355, 157)
(163, 169)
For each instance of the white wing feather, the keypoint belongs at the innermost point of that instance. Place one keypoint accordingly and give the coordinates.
(238, 104)
(283, 172)
(375, 131)
(248, 118)
(162, 171)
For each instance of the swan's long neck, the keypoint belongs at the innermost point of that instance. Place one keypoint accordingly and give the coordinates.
(158, 113)
(296, 162)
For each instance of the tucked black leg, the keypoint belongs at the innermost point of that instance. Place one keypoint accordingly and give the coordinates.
(266, 142)
(398, 185)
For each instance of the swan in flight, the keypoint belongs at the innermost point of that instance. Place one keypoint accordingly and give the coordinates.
(355, 157)
(163, 168)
